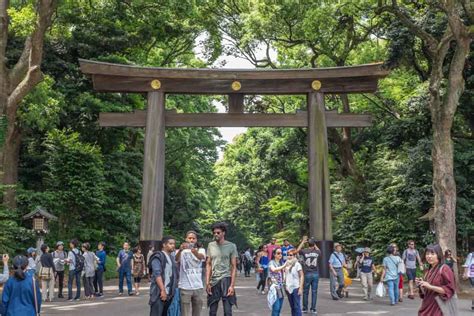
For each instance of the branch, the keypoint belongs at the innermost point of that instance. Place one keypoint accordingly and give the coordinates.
(32, 78)
(430, 41)
(383, 108)
(21, 67)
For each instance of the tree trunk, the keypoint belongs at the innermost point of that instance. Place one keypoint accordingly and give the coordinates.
(348, 164)
(11, 154)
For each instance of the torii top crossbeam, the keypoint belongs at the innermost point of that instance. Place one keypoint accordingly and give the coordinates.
(124, 78)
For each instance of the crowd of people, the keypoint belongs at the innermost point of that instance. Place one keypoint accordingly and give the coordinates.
(180, 278)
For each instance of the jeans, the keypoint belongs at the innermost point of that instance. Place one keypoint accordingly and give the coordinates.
(310, 279)
(367, 283)
(88, 286)
(294, 300)
(276, 307)
(99, 281)
(128, 275)
(263, 279)
(191, 299)
(227, 308)
(393, 291)
(77, 275)
(336, 280)
(60, 277)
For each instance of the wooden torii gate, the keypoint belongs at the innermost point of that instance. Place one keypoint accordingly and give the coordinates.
(157, 82)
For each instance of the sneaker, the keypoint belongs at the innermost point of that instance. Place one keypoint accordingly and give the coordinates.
(263, 292)
(60, 296)
(70, 299)
(137, 293)
(131, 294)
(120, 293)
(305, 311)
(400, 299)
(314, 312)
(335, 298)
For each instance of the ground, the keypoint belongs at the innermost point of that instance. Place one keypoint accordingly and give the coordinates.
(249, 303)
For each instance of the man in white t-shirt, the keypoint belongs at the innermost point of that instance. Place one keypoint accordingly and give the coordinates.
(190, 283)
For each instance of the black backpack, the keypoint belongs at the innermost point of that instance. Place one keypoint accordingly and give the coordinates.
(80, 261)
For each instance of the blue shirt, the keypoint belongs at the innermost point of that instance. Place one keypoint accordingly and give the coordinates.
(102, 258)
(18, 296)
(125, 259)
(284, 251)
(391, 267)
(337, 259)
(264, 262)
(366, 266)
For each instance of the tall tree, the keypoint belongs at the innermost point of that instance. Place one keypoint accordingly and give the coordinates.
(15, 83)
(447, 56)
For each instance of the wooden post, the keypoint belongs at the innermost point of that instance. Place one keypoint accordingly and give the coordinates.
(151, 227)
(318, 186)
(236, 103)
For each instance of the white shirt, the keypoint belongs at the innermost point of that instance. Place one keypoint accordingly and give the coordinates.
(293, 277)
(190, 271)
(469, 264)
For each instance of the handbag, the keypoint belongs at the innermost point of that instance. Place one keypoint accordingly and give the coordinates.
(45, 273)
(380, 290)
(448, 307)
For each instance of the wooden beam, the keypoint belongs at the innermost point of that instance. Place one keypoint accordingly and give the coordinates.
(153, 191)
(101, 68)
(108, 83)
(173, 119)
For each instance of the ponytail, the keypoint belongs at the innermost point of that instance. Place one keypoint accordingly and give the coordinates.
(19, 274)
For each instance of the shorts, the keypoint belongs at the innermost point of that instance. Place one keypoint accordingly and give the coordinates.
(411, 274)
(400, 283)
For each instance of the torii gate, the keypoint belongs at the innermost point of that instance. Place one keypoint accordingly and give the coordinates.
(157, 82)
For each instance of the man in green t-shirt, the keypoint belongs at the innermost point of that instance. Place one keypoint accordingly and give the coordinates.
(221, 267)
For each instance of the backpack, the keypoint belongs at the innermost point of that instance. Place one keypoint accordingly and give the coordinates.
(80, 261)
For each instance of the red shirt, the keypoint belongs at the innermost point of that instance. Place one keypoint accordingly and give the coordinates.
(270, 249)
(442, 277)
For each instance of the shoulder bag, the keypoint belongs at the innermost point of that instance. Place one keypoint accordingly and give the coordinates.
(448, 307)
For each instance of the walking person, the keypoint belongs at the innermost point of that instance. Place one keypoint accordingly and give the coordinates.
(449, 260)
(59, 259)
(90, 264)
(275, 293)
(221, 267)
(4, 278)
(294, 280)
(46, 274)
(21, 294)
(285, 248)
(438, 283)
(469, 271)
(247, 262)
(76, 265)
(271, 247)
(262, 268)
(164, 278)
(390, 274)
(99, 272)
(367, 269)
(138, 268)
(190, 284)
(410, 257)
(124, 268)
(310, 257)
(31, 253)
(337, 261)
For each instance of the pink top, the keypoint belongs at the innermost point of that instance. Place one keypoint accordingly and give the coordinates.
(442, 277)
(270, 249)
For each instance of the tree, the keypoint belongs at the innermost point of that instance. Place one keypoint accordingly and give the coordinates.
(446, 55)
(16, 82)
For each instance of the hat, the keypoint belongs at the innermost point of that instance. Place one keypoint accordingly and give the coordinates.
(31, 250)
(337, 244)
(367, 249)
(59, 243)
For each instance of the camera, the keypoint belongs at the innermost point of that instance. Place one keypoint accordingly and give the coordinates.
(191, 245)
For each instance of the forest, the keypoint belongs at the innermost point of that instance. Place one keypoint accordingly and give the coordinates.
(417, 158)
